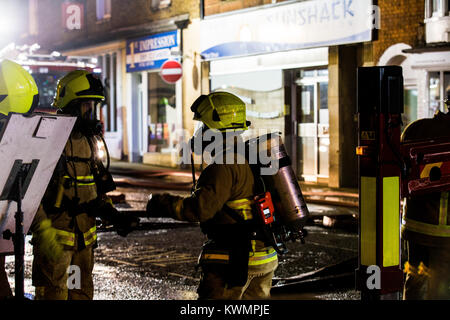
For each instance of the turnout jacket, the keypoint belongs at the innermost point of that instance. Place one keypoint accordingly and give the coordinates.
(219, 189)
(71, 198)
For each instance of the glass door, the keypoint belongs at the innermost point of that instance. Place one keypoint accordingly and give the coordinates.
(313, 138)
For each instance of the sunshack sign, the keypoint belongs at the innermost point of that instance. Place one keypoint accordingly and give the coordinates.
(150, 52)
(299, 25)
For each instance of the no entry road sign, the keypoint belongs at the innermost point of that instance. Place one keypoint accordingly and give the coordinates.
(171, 71)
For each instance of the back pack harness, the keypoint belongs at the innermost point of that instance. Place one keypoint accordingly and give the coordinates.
(100, 177)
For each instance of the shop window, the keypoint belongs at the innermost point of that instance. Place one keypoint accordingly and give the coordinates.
(438, 90)
(434, 92)
(436, 5)
(107, 63)
(313, 141)
(162, 116)
(160, 4)
(410, 106)
(263, 93)
(103, 8)
(46, 81)
(447, 86)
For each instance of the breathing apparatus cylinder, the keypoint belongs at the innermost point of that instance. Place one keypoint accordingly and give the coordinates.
(280, 180)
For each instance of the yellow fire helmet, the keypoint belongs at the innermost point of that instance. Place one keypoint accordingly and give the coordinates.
(18, 90)
(78, 84)
(221, 110)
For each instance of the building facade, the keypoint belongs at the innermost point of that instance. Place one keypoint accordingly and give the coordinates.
(294, 63)
(129, 41)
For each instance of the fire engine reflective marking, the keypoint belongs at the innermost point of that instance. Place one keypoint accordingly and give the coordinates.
(426, 228)
(391, 221)
(368, 220)
(425, 172)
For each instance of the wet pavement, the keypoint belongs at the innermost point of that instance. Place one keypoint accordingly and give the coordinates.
(159, 262)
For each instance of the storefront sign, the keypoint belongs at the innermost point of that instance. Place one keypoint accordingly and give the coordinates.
(287, 27)
(431, 60)
(150, 52)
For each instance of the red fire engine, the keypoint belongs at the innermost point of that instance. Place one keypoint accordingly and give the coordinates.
(46, 69)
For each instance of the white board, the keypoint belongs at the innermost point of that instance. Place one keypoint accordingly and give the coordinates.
(37, 137)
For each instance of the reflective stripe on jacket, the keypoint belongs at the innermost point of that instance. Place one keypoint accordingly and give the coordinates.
(218, 187)
(243, 207)
(68, 238)
(222, 257)
(70, 191)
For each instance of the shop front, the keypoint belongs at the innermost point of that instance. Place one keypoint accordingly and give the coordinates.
(155, 116)
(276, 61)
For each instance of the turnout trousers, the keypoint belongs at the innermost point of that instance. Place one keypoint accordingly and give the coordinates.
(53, 281)
(259, 282)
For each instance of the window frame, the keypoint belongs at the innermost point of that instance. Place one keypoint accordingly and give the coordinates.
(106, 12)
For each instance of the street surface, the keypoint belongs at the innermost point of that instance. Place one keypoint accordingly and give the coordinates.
(158, 262)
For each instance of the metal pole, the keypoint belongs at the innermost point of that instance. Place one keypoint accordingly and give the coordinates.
(19, 244)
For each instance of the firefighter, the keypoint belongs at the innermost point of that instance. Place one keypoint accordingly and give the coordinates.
(18, 93)
(235, 263)
(426, 227)
(74, 198)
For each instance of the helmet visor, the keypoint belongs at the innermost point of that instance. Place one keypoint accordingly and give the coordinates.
(88, 110)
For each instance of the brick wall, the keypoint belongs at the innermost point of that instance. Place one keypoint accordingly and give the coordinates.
(400, 20)
(220, 6)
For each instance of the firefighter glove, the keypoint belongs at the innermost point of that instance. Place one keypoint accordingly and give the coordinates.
(46, 241)
(159, 205)
(123, 222)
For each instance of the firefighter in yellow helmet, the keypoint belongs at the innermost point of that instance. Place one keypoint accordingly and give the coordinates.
(426, 226)
(74, 198)
(235, 262)
(19, 94)
(18, 90)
